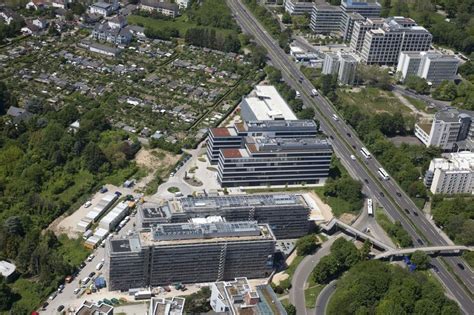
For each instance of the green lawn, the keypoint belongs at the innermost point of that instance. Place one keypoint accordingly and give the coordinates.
(469, 257)
(371, 100)
(338, 206)
(294, 264)
(311, 294)
(182, 24)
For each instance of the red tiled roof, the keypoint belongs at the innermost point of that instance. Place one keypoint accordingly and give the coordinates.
(231, 153)
(220, 132)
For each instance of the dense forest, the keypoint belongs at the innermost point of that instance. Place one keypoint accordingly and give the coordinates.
(456, 216)
(374, 287)
(46, 169)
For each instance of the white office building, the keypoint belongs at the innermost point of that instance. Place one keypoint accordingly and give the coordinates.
(450, 129)
(343, 65)
(265, 103)
(298, 7)
(451, 175)
(383, 45)
(432, 66)
(326, 19)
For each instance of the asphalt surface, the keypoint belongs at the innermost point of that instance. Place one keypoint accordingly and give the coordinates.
(425, 98)
(345, 142)
(324, 296)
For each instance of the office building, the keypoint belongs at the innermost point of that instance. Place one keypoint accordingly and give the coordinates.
(449, 128)
(359, 30)
(383, 45)
(298, 7)
(286, 214)
(451, 175)
(347, 29)
(326, 19)
(434, 67)
(191, 253)
(232, 137)
(265, 161)
(265, 103)
(408, 64)
(163, 306)
(367, 9)
(238, 297)
(343, 65)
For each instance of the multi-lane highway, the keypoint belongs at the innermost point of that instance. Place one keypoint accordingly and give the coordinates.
(345, 143)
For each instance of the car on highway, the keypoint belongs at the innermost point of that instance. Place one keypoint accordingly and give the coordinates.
(349, 135)
(298, 94)
(399, 194)
(331, 137)
(420, 241)
(366, 180)
(334, 116)
(382, 194)
(353, 157)
(435, 269)
(314, 92)
(301, 79)
(415, 213)
(406, 211)
(354, 147)
(461, 266)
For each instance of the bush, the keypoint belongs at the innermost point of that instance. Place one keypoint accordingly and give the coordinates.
(306, 245)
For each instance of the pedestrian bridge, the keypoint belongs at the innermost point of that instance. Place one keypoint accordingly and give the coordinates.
(355, 232)
(428, 250)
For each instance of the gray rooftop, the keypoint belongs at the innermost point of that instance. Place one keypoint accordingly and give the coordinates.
(288, 144)
(280, 124)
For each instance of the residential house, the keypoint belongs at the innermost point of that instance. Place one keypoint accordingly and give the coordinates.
(103, 8)
(19, 114)
(165, 8)
(40, 23)
(37, 4)
(108, 32)
(9, 15)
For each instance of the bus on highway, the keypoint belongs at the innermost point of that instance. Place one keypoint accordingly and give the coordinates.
(383, 173)
(370, 207)
(365, 153)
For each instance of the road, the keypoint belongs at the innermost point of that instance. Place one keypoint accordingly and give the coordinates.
(425, 98)
(345, 142)
(324, 296)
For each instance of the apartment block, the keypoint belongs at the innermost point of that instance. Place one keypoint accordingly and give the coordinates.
(232, 137)
(238, 297)
(298, 7)
(191, 253)
(265, 103)
(384, 44)
(326, 19)
(341, 64)
(434, 67)
(451, 175)
(267, 161)
(449, 128)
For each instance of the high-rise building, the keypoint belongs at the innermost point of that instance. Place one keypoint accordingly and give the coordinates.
(357, 11)
(298, 7)
(265, 103)
(232, 137)
(326, 19)
(347, 29)
(275, 161)
(286, 214)
(190, 253)
(432, 66)
(383, 45)
(359, 30)
(451, 175)
(448, 128)
(238, 297)
(343, 65)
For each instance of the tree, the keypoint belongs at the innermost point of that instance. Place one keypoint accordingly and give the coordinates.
(306, 245)
(365, 250)
(420, 259)
(286, 18)
(94, 158)
(6, 100)
(425, 307)
(417, 84)
(446, 91)
(6, 296)
(290, 309)
(325, 270)
(77, 8)
(258, 55)
(374, 76)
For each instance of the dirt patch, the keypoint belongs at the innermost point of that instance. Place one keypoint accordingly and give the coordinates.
(347, 218)
(279, 277)
(156, 162)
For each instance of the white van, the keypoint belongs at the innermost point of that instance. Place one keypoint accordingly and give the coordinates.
(334, 116)
(298, 94)
(99, 266)
(85, 280)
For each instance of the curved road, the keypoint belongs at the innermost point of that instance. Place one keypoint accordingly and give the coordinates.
(345, 142)
(324, 297)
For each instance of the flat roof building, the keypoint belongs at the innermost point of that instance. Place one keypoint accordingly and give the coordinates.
(267, 161)
(191, 253)
(451, 175)
(113, 218)
(448, 128)
(343, 65)
(7, 270)
(265, 103)
(326, 19)
(298, 7)
(384, 44)
(238, 297)
(163, 306)
(232, 137)
(91, 308)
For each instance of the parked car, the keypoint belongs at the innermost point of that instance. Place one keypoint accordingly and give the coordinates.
(92, 274)
(91, 256)
(103, 190)
(76, 290)
(88, 204)
(45, 305)
(60, 308)
(53, 296)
